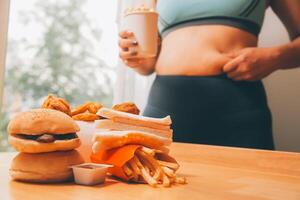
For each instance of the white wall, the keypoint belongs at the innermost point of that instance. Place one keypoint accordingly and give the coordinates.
(283, 90)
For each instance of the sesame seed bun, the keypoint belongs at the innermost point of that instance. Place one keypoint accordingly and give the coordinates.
(38, 122)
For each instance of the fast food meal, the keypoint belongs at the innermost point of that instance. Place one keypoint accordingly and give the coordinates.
(43, 130)
(137, 146)
(55, 103)
(45, 167)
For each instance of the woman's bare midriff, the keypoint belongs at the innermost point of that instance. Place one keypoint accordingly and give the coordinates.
(200, 50)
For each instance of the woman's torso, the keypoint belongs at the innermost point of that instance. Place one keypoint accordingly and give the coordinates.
(202, 50)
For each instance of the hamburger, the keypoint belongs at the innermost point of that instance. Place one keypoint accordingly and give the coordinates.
(45, 167)
(43, 130)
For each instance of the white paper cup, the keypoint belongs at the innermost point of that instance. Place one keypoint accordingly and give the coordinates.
(144, 27)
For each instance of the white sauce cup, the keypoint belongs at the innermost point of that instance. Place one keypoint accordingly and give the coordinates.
(90, 173)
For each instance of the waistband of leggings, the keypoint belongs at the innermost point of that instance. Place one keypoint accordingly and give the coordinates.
(219, 76)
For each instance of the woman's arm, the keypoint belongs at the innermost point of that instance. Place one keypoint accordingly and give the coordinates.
(252, 64)
(289, 13)
(144, 66)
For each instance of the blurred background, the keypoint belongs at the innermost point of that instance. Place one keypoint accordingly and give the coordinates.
(64, 47)
(69, 48)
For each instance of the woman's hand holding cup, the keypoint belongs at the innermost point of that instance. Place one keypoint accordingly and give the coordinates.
(128, 52)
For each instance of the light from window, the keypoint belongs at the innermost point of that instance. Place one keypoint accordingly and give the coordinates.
(64, 47)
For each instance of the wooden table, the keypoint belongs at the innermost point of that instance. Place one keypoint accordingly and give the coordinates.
(212, 173)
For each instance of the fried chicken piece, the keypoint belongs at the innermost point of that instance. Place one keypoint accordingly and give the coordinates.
(94, 107)
(86, 117)
(128, 107)
(88, 106)
(81, 108)
(55, 103)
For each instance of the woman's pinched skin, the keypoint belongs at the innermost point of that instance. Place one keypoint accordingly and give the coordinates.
(214, 49)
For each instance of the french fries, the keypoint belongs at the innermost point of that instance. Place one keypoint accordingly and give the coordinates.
(169, 172)
(166, 181)
(127, 171)
(135, 170)
(173, 166)
(152, 162)
(146, 168)
(147, 177)
(180, 180)
(148, 151)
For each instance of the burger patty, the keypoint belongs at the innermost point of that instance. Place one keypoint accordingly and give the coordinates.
(48, 138)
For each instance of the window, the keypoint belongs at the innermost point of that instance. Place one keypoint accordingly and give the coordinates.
(64, 47)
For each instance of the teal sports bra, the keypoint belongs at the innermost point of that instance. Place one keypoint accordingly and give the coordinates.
(247, 15)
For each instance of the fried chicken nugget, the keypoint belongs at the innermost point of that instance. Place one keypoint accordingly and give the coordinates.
(63, 101)
(128, 107)
(94, 107)
(81, 109)
(60, 104)
(85, 117)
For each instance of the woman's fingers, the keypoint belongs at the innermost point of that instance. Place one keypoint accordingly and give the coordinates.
(233, 64)
(127, 43)
(244, 77)
(125, 34)
(242, 73)
(233, 74)
(125, 55)
(132, 62)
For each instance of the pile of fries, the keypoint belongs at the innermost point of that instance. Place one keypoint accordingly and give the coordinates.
(145, 166)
